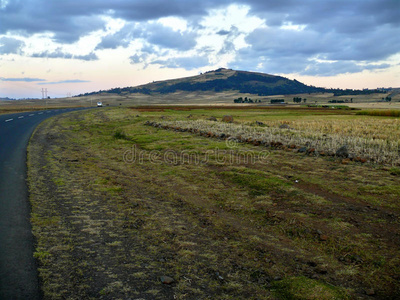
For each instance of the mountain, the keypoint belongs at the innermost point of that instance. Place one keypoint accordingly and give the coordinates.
(227, 80)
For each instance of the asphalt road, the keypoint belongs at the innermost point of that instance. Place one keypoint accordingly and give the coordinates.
(18, 272)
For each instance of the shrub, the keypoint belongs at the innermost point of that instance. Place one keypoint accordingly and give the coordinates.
(120, 135)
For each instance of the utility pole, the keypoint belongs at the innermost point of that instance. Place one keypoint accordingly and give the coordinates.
(44, 93)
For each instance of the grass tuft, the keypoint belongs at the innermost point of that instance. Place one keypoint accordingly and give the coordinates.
(120, 135)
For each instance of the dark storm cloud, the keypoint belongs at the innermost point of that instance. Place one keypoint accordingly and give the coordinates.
(350, 35)
(153, 33)
(58, 53)
(10, 45)
(121, 38)
(223, 32)
(87, 57)
(69, 20)
(301, 65)
(229, 45)
(138, 58)
(143, 10)
(355, 35)
(339, 67)
(337, 15)
(248, 60)
(167, 38)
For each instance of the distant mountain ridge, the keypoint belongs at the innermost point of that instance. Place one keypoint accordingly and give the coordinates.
(221, 80)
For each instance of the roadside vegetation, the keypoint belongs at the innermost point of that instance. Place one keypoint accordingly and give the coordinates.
(125, 210)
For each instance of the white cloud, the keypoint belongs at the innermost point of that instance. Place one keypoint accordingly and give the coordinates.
(177, 24)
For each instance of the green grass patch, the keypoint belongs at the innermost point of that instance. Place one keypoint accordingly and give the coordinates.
(258, 182)
(44, 221)
(120, 135)
(41, 255)
(112, 189)
(395, 171)
(302, 288)
(58, 181)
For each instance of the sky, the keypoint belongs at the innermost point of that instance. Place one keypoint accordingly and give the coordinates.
(70, 47)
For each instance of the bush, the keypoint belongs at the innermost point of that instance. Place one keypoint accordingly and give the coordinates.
(120, 135)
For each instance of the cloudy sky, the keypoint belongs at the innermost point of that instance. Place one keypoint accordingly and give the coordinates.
(71, 46)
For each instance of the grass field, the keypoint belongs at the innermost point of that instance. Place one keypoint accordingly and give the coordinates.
(117, 204)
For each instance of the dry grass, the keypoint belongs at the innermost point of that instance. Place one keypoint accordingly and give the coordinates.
(374, 139)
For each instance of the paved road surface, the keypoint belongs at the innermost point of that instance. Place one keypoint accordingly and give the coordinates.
(18, 274)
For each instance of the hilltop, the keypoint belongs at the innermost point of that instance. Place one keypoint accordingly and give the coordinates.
(228, 81)
(222, 80)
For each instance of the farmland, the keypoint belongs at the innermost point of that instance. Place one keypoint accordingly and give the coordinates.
(226, 210)
(374, 139)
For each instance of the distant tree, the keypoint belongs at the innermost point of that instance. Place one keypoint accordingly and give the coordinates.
(296, 99)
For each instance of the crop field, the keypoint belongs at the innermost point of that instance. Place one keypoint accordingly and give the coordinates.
(375, 140)
(174, 203)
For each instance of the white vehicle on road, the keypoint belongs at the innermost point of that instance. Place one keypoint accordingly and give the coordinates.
(99, 104)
